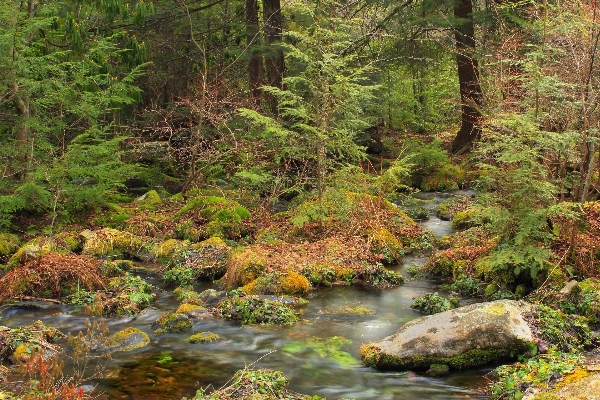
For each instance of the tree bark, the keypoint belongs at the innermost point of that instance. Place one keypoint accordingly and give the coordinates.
(274, 61)
(471, 95)
(255, 68)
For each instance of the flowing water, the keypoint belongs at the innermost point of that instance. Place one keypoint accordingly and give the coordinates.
(320, 354)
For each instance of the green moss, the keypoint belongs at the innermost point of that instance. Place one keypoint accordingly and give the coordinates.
(168, 248)
(254, 310)
(444, 178)
(463, 220)
(150, 200)
(9, 243)
(128, 339)
(203, 337)
(386, 244)
(171, 322)
(188, 308)
(280, 283)
(372, 356)
(187, 230)
(111, 242)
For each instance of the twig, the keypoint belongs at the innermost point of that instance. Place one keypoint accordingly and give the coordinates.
(30, 298)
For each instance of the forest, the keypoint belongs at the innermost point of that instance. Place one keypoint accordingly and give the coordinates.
(262, 169)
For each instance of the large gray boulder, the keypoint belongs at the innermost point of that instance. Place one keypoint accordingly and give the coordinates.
(461, 338)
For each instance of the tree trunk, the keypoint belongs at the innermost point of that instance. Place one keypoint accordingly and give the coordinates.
(471, 96)
(274, 61)
(255, 69)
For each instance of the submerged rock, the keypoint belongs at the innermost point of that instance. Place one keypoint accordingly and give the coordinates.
(460, 338)
(171, 322)
(126, 340)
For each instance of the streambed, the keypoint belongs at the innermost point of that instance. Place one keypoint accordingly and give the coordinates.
(319, 354)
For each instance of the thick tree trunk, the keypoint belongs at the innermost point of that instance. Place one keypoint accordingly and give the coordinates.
(471, 96)
(255, 68)
(274, 61)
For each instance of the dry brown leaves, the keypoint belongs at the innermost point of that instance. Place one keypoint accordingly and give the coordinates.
(50, 273)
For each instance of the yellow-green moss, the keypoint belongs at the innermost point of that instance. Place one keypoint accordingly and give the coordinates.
(214, 241)
(288, 283)
(463, 219)
(24, 351)
(9, 243)
(386, 244)
(372, 356)
(169, 247)
(172, 322)
(203, 337)
(244, 265)
(110, 241)
(150, 199)
(188, 308)
(128, 339)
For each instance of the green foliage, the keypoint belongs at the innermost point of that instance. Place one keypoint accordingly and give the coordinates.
(465, 286)
(322, 106)
(433, 303)
(134, 293)
(254, 310)
(520, 200)
(566, 332)
(68, 70)
(539, 372)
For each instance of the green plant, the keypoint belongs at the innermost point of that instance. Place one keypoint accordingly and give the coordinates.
(520, 200)
(466, 286)
(540, 372)
(433, 303)
(254, 310)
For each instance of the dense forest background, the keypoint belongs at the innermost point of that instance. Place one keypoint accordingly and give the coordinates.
(98, 97)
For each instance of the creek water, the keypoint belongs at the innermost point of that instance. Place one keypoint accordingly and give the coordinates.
(320, 354)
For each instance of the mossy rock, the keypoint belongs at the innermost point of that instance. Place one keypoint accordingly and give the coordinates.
(27, 339)
(460, 338)
(386, 244)
(187, 230)
(117, 267)
(203, 337)
(286, 283)
(172, 322)
(463, 220)
(126, 340)
(24, 254)
(190, 309)
(110, 242)
(166, 249)
(224, 217)
(149, 200)
(445, 178)
(70, 241)
(244, 265)
(9, 243)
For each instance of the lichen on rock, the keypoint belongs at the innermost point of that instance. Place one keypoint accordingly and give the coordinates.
(461, 338)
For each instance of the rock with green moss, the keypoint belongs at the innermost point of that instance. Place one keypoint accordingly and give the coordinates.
(166, 249)
(172, 322)
(149, 200)
(113, 243)
(461, 338)
(126, 340)
(203, 337)
(224, 216)
(463, 220)
(9, 243)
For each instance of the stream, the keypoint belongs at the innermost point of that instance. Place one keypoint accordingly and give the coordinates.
(320, 354)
